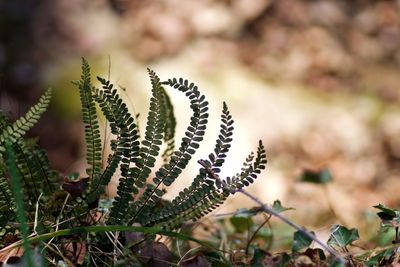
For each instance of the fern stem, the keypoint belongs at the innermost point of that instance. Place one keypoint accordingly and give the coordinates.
(271, 211)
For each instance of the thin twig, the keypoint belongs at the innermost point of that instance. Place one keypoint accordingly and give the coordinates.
(269, 210)
(255, 233)
(350, 256)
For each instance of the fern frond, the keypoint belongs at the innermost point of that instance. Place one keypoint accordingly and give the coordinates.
(155, 128)
(5, 192)
(196, 209)
(90, 120)
(202, 189)
(27, 171)
(39, 164)
(105, 100)
(33, 167)
(154, 131)
(199, 205)
(30, 162)
(150, 146)
(125, 149)
(210, 197)
(249, 171)
(194, 134)
(22, 125)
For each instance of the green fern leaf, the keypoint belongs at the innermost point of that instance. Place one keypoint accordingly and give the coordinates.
(155, 129)
(179, 159)
(46, 179)
(90, 120)
(125, 149)
(202, 189)
(208, 198)
(250, 170)
(19, 128)
(151, 143)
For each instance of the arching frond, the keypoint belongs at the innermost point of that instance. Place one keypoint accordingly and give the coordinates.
(202, 191)
(167, 174)
(150, 147)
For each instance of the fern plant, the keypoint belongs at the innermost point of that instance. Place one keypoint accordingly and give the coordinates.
(53, 204)
(139, 198)
(30, 163)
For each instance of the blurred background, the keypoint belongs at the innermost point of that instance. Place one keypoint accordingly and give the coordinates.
(317, 81)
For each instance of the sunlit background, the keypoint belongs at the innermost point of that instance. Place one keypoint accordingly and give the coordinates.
(317, 81)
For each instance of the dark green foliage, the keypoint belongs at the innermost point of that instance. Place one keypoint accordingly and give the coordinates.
(74, 212)
(18, 129)
(199, 197)
(149, 150)
(125, 147)
(154, 134)
(16, 185)
(323, 176)
(341, 236)
(30, 161)
(59, 206)
(89, 116)
(388, 216)
(33, 167)
(300, 241)
(136, 160)
(6, 199)
(167, 174)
